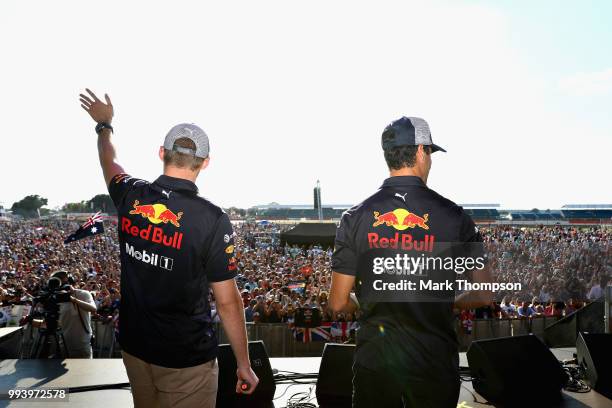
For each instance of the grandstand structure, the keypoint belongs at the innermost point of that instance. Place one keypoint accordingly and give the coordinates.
(5, 215)
(579, 214)
(275, 211)
(569, 214)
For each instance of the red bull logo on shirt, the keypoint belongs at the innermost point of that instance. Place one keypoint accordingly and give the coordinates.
(400, 219)
(404, 242)
(157, 213)
(151, 233)
(231, 266)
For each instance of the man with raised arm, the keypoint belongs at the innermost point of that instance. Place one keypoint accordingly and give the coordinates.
(174, 246)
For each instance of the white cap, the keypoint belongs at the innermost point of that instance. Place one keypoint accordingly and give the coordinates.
(192, 132)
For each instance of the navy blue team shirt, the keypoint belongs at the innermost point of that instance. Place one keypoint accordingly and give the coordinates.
(173, 244)
(414, 339)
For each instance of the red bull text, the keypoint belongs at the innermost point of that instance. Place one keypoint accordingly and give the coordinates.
(401, 241)
(151, 233)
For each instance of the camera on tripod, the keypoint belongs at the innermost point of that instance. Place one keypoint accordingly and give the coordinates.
(50, 298)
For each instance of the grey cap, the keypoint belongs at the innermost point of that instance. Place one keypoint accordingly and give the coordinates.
(408, 131)
(190, 131)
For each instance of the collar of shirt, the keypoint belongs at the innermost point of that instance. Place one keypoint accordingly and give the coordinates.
(403, 181)
(176, 184)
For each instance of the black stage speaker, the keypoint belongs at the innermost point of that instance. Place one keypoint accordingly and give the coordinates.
(335, 379)
(260, 363)
(10, 342)
(500, 366)
(594, 353)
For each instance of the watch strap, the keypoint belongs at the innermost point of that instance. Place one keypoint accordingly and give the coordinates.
(103, 125)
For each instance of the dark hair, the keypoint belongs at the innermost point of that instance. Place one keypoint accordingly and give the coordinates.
(182, 160)
(401, 156)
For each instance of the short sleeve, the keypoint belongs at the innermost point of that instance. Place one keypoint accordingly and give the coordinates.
(344, 258)
(470, 245)
(120, 185)
(86, 296)
(470, 237)
(220, 261)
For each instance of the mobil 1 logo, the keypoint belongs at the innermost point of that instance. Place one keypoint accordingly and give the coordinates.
(150, 258)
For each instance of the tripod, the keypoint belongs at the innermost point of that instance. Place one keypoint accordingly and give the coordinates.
(46, 338)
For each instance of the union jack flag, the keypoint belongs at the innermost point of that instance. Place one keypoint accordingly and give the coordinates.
(306, 335)
(97, 217)
(340, 331)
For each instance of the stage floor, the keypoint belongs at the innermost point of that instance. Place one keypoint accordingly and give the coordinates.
(75, 372)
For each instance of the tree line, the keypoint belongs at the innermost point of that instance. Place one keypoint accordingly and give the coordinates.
(33, 206)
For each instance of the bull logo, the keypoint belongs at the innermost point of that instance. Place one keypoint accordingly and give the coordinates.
(400, 219)
(157, 213)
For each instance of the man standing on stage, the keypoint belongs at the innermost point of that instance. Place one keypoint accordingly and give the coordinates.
(407, 350)
(174, 246)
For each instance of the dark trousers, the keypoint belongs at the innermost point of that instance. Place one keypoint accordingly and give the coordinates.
(388, 389)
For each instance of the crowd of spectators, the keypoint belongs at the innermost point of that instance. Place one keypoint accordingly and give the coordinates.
(30, 251)
(276, 280)
(560, 268)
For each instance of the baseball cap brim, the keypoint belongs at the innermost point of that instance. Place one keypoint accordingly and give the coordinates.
(435, 148)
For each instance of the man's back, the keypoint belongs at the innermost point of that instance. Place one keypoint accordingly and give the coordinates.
(173, 243)
(399, 328)
(174, 247)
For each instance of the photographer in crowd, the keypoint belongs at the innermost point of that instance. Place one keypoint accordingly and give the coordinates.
(74, 317)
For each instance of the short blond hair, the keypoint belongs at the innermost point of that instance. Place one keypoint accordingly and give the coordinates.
(182, 160)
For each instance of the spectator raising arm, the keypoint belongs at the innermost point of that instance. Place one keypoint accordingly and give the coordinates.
(102, 113)
(230, 309)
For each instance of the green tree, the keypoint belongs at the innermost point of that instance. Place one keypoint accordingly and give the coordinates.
(76, 207)
(102, 202)
(236, 211)
(29, 206)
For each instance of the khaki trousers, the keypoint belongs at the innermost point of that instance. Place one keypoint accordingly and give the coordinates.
(161, 387)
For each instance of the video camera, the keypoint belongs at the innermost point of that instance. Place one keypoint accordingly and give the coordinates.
(50, 298)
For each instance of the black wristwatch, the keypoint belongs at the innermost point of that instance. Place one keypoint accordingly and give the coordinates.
(103, 125)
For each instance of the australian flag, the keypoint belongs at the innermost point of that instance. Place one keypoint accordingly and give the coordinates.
(92, 226)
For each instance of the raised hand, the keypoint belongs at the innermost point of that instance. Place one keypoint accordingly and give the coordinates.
(98, 110)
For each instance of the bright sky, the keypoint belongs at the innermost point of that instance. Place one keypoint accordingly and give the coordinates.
(518, 92)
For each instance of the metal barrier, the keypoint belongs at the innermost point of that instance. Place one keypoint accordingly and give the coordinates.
(280, 342)
(492, 328)
(607, 309)
(278, 339)
(105, 346)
